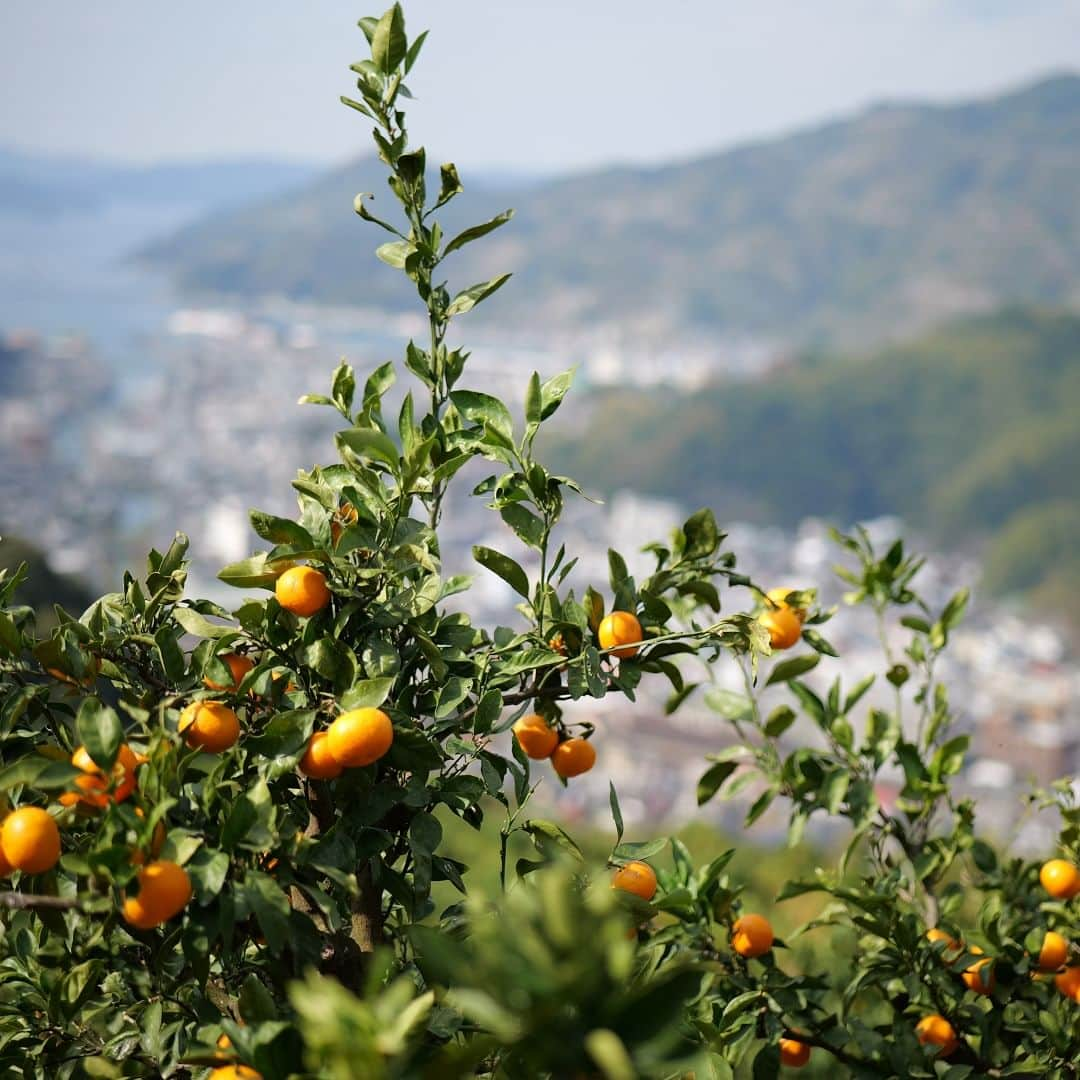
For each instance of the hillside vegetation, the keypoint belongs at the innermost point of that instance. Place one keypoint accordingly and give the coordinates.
(969, 430)
(862, 229)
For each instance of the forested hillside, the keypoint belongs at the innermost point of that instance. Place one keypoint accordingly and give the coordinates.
(971, 430)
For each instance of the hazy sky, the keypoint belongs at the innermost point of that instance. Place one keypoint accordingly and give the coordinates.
(520, 84)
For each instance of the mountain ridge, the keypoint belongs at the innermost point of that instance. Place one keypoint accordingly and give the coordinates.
(855, 230)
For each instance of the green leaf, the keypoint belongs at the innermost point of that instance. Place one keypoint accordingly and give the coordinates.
(250, 573)
(270, 906)
(198, 624)
(642, 849)
(388, 43)
(370, 443)
(279, 530)
(553, 391)
(728, 704)
(26, 771)
(485, 410)
(616, 812)
(526, 525)
(504, 567)
(414, 51)
(714, 776)
(702, 535)
(468, 298)
(100, 731)
(367, 693)
(476, 231)
(450, 182)
(425, 834)
(780, 719)
(540, 829)
(787, 670)
(610, 1055)
(395, 252)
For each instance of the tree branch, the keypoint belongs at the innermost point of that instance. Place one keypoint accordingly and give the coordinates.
(15, 901)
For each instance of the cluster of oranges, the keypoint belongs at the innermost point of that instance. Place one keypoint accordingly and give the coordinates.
(356, 738)
(539, 740)
(1061, 879)
(620, 635)
(751, 935)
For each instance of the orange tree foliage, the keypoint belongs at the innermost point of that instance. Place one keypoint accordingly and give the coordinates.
(222, 828)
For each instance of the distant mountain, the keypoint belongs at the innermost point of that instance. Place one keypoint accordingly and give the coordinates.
(40, 184)
(860, 229)
(969, 432)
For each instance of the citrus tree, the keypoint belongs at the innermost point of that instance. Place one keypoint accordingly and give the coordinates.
(223, 832)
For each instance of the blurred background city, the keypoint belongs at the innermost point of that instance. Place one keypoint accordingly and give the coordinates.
(813, 267)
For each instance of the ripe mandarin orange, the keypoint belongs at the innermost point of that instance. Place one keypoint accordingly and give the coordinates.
(318, 762)
(30, 840)
(935, 1030)
(6, 869)
(235, 1072)
(302, 590)
(360, 736)
(980, 975)
(794, 1054)
(784, 627)
(535, 737)
(164, 891)
(620, 628)
(1054, 951)
(638, 878)
(238, 666)
(572, 757)
(209, 725)
(752, 935)
(1060, 879)
(1068, 982)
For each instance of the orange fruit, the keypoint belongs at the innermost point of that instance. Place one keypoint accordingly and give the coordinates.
(980, 975)
(30, 840)
(776, 599)
(238, 665)
(302, 590)
(535, 737)
(235, 1072)
(572, 757)
(94, 786)
(751, 935)
(1068, 982)
(360, 736)
(620, 628)
(784, 626)
(209, 725)
(935, 1030)
(794, 1054)
(638, 878)
(318, 762)
(1060, 879)
(1054, 952)
(951, 948)
(164, 891)
(6, 869)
